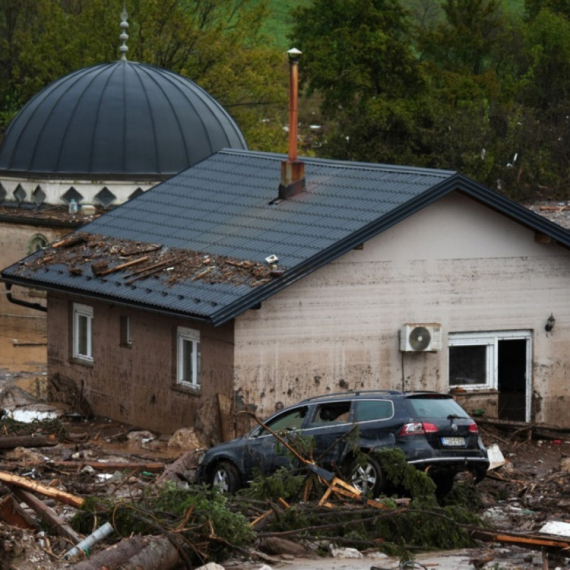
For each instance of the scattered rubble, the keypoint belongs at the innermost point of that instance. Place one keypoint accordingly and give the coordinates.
(97, 471)
(100, 256)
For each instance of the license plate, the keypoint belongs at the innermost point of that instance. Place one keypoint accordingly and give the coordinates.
(453, 440)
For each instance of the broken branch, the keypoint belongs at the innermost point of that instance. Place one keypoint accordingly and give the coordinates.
(56, 494)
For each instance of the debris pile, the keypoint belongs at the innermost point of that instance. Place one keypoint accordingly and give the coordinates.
(99, 256)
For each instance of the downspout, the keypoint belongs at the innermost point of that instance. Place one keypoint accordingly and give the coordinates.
(27, 304)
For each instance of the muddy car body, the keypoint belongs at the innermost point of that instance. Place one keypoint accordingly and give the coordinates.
(433, 431)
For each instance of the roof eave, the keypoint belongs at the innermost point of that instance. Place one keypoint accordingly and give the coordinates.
(23, 282)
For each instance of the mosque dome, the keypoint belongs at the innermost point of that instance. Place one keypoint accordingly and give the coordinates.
(121, 120)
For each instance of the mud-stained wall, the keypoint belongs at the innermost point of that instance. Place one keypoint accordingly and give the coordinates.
(15, 241)
(137, 384)
(457, 263)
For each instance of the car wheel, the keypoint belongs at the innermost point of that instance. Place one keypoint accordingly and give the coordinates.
(225, 477)
(443, 483)
(367, 477)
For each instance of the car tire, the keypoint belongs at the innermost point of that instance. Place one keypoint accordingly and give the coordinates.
(443, 483)
(367, 477)
(225, 477)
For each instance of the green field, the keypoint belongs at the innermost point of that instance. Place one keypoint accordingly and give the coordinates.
(278, 25)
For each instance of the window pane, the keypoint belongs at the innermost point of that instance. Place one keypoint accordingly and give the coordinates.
(292, 419)
(83, 335)
(373, 410)
(337, 412)
(187, 364)
(467, 365)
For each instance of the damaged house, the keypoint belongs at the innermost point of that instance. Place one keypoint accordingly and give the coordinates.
(221, 289)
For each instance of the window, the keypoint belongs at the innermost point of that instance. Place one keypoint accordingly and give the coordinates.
(287, 421)
(126, 331)
(474, 357)
(188, 358)
(371, 410)
(83, 332)
(37, 242)
(331, 413)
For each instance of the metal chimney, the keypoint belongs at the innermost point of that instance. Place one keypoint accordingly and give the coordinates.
(292, 170)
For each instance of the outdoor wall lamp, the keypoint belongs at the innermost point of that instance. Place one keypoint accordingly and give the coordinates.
(550, 323)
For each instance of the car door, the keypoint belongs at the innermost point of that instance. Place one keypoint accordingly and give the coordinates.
(330, 424)
(263, 451)
(377, 423)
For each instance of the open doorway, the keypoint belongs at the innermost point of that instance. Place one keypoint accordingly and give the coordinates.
(511, 379)
(498, 361)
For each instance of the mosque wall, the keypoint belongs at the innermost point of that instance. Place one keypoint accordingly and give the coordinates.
(16, 242)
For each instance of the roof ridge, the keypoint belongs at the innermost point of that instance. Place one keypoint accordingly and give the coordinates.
(373, 166)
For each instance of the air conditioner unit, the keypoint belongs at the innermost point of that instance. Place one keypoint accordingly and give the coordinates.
(420, 337)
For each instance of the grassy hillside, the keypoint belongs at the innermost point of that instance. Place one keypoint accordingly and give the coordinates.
(278, 25)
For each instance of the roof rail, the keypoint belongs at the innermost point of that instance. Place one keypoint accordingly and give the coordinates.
(352, 393)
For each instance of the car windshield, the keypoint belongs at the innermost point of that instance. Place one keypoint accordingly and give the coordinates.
(435, 406)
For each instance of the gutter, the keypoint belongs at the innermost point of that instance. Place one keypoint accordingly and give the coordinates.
(95, 297)
(27, 304)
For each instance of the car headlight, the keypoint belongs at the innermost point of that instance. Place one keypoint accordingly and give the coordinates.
(201, 460)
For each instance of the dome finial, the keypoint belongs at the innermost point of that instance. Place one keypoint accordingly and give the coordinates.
(124, 36)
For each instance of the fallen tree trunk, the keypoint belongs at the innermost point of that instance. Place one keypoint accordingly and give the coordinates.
(13, 441)
(138, 552)
(48, 515)
(56, 494)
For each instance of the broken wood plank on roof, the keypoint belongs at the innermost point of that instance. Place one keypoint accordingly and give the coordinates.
(122, 266)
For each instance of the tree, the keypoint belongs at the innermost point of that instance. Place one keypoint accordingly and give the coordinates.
(355, 50)
(216, 43)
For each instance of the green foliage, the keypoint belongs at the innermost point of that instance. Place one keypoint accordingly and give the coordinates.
(217, 43)
(283, 484)
(413, 482)
(355, 50)
(195, 514)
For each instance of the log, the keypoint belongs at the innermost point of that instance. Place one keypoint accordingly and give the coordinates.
(111, 465)
(522, 425)
(175, 471)
(140, 553)
(122, 266)
(56, 494)
(47, 514)
(13, 441)
(70, 241)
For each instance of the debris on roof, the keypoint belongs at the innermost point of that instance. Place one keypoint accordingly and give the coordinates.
(99, 256)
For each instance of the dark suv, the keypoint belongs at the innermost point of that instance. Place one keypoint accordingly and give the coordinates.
(433, 431)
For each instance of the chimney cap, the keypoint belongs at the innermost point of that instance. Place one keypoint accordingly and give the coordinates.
(294, 54)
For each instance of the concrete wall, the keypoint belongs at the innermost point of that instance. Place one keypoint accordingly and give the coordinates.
(137, 385)
(457, 263)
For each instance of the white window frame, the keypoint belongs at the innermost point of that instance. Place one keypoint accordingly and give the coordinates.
(82, 311)
(491, 341)
(126, 331)
(184, 335)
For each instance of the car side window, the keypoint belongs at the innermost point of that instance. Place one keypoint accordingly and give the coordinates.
(370, 410)
(288, 420)
(331, 413)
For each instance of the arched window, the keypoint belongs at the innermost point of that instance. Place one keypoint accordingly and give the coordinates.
(37, 242)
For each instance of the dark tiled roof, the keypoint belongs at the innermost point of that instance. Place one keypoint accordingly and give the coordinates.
(225, 206)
